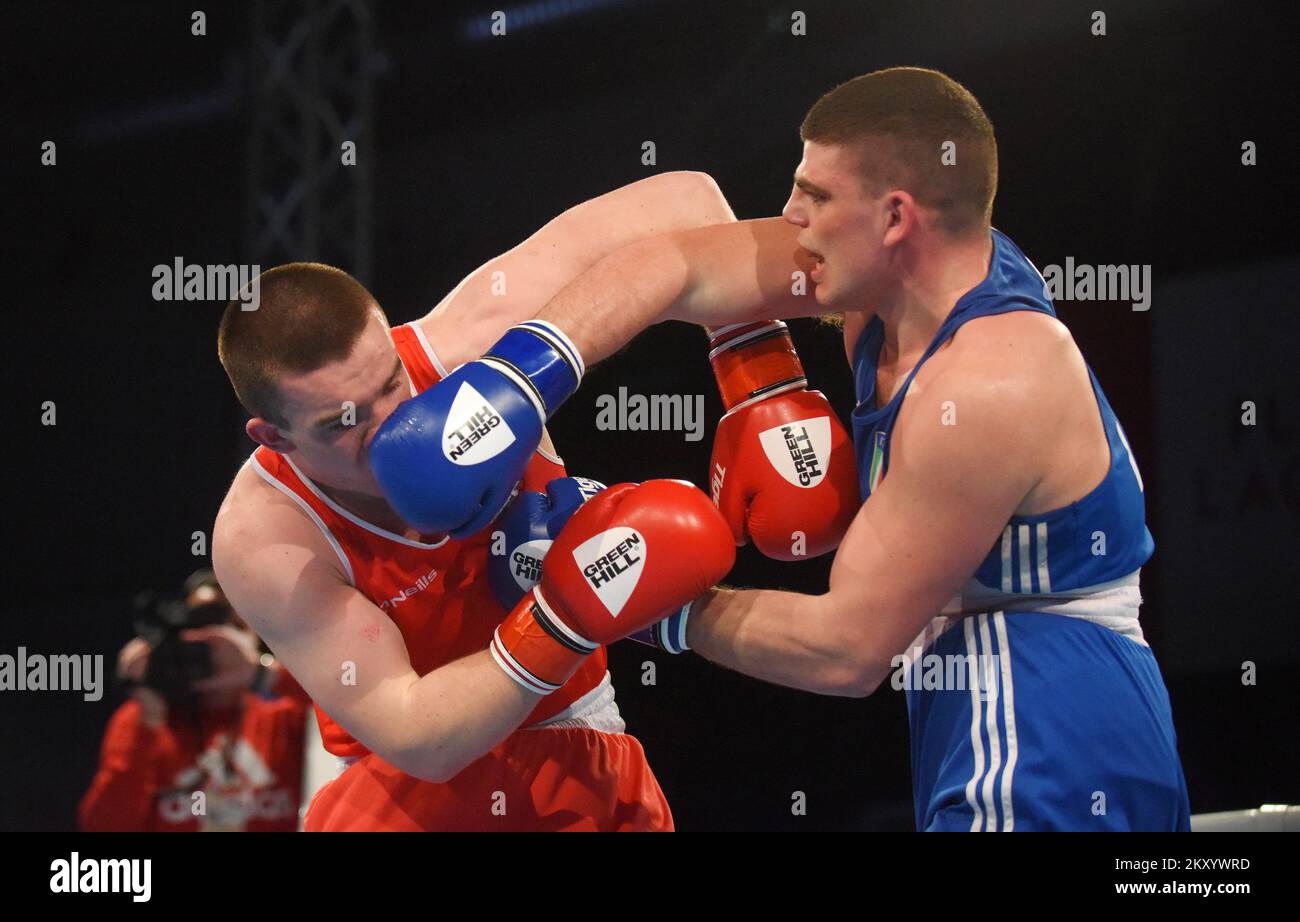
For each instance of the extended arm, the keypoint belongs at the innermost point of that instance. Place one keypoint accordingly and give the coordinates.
(514, 286)
(949, 493)
(742, 270)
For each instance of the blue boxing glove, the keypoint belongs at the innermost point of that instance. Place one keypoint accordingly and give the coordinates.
(448, 459)
(530, 523)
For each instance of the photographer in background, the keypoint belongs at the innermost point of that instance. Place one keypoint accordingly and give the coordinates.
(211, 738)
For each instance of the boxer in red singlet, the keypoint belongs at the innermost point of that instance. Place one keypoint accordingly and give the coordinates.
(388, 629)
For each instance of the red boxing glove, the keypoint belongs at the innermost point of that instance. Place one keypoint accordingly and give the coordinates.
(626, 558)
(782, 472)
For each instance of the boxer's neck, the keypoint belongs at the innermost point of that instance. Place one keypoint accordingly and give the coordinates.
(928, 286)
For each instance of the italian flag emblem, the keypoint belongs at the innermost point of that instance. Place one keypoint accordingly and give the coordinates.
(877, 460)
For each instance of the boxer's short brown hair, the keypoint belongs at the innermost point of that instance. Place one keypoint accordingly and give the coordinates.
(308, 315)
(900, 119)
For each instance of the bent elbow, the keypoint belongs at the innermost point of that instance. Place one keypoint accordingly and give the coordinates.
(855, 677)
(702, 192)
(423, 764)
(697, 179)
(421, 754)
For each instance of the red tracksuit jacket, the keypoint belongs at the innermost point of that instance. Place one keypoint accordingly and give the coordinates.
(232, 769)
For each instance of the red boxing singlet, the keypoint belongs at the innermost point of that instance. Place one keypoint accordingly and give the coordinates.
(569, 774)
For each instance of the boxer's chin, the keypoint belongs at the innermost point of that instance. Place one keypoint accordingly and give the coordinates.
(827, 297)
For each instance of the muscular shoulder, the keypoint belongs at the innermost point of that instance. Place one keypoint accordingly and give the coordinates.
(1021, 339)
(263, 549)
(1017, 360)
(250, 499)
(1000, 388)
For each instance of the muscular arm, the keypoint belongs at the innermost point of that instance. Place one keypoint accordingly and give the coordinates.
(949, 493)
(742, 270)
(515, 285)
(284, 580)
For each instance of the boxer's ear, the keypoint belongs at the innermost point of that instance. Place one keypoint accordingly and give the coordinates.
(268, 434)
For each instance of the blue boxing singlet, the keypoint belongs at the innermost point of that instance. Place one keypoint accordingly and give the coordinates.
(1065, 723)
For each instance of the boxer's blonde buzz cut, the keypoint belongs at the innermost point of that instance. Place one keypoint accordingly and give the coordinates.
(902, 119)
(308, 315)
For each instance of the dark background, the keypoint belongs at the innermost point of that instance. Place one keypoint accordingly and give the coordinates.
(1117, 149)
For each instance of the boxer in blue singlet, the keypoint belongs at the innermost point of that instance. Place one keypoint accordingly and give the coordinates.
(992, 568)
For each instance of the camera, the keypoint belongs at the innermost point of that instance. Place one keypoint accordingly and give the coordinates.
(175, 664)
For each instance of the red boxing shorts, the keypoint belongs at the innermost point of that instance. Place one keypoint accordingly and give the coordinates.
(543, 780)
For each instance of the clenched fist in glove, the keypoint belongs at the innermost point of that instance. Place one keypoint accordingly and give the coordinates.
(782, 472)
(631, 555)
(448, 458)
(527, 529)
